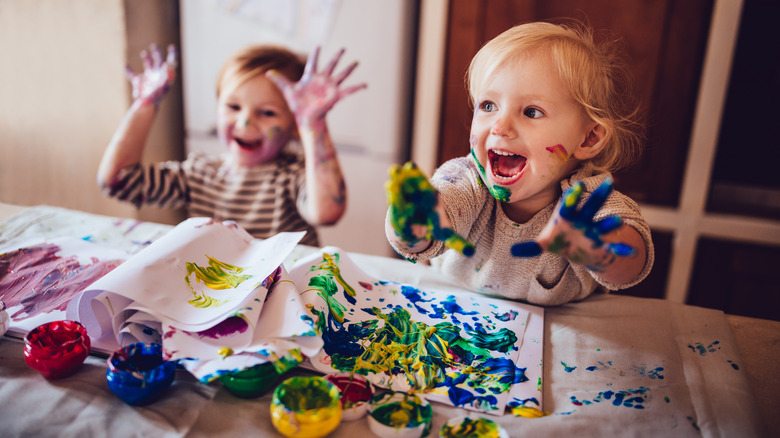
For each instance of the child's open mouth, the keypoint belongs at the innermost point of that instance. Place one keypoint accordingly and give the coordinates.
(506, 167)
(249, 144)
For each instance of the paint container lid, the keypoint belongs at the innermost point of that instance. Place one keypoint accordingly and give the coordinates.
(356, 393)
(397, 414)
(251, 382)
(56, 349)
(472, 426)
(5, 321)
(138, 374)
(306, 407)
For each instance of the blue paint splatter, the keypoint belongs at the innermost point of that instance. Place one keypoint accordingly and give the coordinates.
(567, 368)
(632, 398)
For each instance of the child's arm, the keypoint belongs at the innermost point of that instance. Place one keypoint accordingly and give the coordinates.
(415, 215)
(613, 250)
(149, 88)
(310, 99)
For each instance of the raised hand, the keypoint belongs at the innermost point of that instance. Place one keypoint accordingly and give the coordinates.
(413, 215)
(151, 86)
(315, 93)
(573, 233)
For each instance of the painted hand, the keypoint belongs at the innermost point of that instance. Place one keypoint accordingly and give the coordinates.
(413, 216)
(151, 86)
(573, 233)
(315, 93)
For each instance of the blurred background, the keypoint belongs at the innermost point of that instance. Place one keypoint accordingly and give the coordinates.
(707, 73)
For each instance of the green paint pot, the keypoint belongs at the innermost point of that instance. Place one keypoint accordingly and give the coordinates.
(399, 415)
(251, 382)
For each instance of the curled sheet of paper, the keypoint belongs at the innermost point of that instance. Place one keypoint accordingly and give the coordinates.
(203, 291)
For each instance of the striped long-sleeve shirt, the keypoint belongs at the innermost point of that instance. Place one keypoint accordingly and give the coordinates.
(262, 199)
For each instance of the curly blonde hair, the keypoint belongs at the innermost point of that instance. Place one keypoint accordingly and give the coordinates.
(593, 74)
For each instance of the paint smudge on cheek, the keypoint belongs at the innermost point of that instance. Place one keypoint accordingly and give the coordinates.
(560, 156)
(41, 281)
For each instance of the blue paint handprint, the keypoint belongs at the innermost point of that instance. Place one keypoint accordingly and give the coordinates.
(569, 225)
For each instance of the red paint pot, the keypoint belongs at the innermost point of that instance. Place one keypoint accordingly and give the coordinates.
(356, 393)
(56, 349)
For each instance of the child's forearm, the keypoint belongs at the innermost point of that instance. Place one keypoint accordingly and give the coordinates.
(127, 144)
(326, 191)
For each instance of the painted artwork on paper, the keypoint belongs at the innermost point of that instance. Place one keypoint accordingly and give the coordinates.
(456, 347)
(217, 300)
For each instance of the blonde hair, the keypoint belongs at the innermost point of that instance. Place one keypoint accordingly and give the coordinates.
(592, 74)
(256, 60)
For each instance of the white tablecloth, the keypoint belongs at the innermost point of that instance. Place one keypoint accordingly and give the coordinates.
(613, 366)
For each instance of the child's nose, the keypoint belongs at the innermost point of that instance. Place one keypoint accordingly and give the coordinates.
(502, 128)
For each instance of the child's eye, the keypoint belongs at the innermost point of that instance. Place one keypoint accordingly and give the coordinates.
(268, 113)
(234, 107)
(533, 113)
(487, 106)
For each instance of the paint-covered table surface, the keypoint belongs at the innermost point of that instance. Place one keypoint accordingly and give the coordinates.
(613, 366)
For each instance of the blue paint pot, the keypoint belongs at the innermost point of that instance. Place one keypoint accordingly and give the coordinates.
(138, 374)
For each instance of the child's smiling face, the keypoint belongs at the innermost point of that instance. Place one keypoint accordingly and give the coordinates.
(526, 133)
(254, 121)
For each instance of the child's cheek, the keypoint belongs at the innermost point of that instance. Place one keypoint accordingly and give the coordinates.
(557, 158)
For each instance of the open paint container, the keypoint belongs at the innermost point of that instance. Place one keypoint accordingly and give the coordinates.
(306, 407)
(251, 382)
(397, 414)
(466, 426)
(356, 393)
(138, 374)
(56, 349)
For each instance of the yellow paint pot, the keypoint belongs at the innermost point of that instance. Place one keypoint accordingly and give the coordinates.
(306, 407)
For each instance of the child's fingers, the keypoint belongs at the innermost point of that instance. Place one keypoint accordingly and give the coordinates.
(526, 249)
(608, 224)
(332, 64)
(596, 200)
(569, 201)
(347, 71)
(620, 249)
(146, 59)
(156, 57)
(172, 56)
(347, 91)
(129, 73)
(311, 64)
(279, 79)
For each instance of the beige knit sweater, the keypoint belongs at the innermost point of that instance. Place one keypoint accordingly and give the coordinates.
(548, 279)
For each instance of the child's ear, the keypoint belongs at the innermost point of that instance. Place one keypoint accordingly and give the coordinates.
(594, 142)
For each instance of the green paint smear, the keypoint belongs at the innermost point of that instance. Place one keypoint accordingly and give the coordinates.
(471, 428)
(500, 193)
(218, 276)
